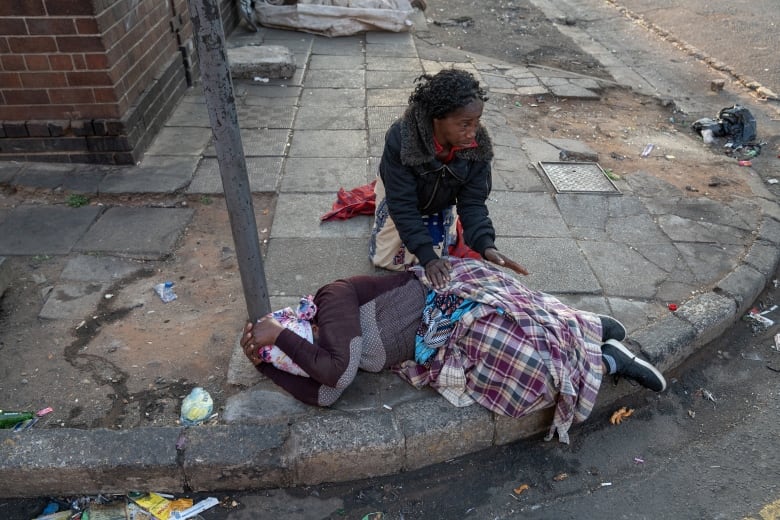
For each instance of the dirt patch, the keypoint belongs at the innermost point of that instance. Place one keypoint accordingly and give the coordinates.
(130, 361)
(619, 127)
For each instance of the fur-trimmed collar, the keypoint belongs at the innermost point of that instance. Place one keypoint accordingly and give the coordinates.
(417, 140)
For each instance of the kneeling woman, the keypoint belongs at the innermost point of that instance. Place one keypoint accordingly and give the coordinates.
(485, 338)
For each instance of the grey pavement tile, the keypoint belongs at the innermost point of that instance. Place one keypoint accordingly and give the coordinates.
(330, 118)
(709, 262)
(328, 143)
(584, 210)
(180, 141)
(6, 274)
(526, 215)
(271, 34)
(72, 300)
(333, 97)
(622, 270)
(336, 62)
(259, 143)
(44, 230)
(136, 232)
(390, 79)
(342, 46)
(394, 64)
(297, 215)
(389, 38)
(9, 170)
(189, 114)
(260, 94)
(382, 97)
(355, 78)
(573, 91)
(263, 173)
(323, 174)
(44, 175)
(539, 150)
(92, 268)
(493, 82)
(262, 404)
(263, 116)
(681, 229)
(289, 262)
(85, 180)
(376, 142)
(555, 264)
(156, 174)
(636, 230)
(503, 136)
(382, 117)
(391, 51)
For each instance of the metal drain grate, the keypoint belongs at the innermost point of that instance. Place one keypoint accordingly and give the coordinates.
(578, 177)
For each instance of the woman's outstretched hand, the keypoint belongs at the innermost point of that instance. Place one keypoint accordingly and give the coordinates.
(492, 255)
(438, 272)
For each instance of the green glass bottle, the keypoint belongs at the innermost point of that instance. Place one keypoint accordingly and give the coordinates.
(11, 419)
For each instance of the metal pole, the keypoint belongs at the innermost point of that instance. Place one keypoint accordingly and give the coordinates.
(218, 91)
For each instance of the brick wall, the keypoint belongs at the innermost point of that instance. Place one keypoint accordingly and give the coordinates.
(92, 80)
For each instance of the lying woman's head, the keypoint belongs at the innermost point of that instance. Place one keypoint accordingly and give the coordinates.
(447, 91)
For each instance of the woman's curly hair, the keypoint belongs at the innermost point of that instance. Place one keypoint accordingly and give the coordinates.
(445, 92)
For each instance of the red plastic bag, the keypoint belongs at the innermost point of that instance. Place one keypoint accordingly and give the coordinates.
(357, 201)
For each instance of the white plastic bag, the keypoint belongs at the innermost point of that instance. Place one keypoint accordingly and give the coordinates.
(337, 17)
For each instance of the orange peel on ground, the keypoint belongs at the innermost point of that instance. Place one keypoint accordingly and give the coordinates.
(621, 414)
(521, 488)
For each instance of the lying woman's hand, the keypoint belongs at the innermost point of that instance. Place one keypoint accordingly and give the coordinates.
(492, 255)
(438, 272)
(259, 335)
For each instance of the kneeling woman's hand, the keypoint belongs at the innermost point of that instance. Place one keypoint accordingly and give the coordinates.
(492, 255)
(438, 272)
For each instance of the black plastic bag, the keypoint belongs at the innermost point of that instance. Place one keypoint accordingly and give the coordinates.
(735, 122)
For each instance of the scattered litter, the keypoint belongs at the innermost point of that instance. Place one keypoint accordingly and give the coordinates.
(777, 342)
(108, 296)
(752, 356)
(10, 419)
(521, 488)
(560, 476)
(745, 163)
(735, 123)
(606, 484)
(460, 21)
(706, 394)
(619, 415)
(196, 407)
(691, 414)
(260, 79)
(758, 321)
(771, 181)
(670, 157)
(387, 407)
(672, 307)
(204, 504)
(161, 507)
(44, 411)
(639, 460)
(648, 149)
(376, 516)
(770, 309)
(165, 291)
(518, 104)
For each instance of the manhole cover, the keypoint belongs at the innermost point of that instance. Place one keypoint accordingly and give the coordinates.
(578, 177)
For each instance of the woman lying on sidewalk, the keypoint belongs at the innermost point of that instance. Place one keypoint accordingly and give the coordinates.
(486, 338)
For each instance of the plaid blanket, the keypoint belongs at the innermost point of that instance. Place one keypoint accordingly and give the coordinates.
(515, 352)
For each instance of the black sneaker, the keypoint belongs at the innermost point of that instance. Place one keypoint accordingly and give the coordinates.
(632, 367)
(611, 328)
